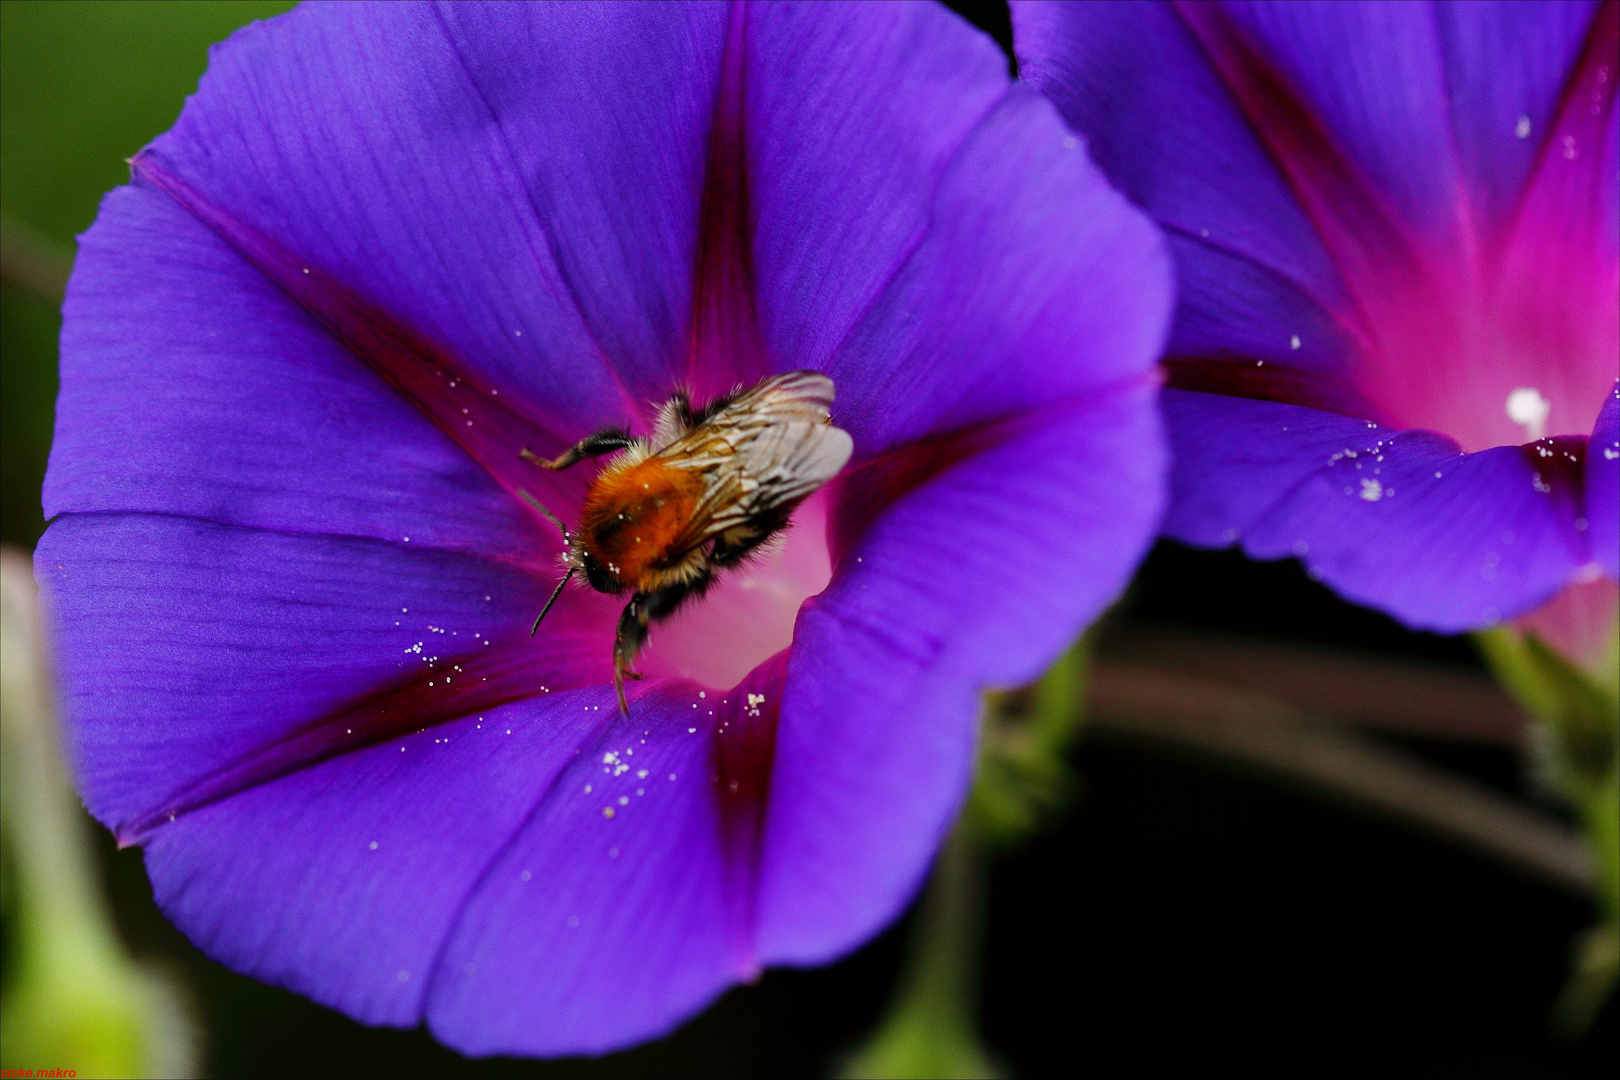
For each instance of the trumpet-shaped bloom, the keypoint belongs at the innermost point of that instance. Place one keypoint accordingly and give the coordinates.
(386, 248)
(1394, 225)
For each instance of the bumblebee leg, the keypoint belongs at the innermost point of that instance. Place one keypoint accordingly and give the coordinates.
(642, 610)
(627, 642)
(602, 442)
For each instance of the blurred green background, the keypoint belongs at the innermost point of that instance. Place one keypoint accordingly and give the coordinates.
(83, 86)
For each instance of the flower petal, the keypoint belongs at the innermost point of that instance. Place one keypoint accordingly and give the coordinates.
(855, 112)
(1136, 81)
(1399, 521)
(600, 118)
(977, 578)
(631, 881)
(188, 649)
(247, 412)
(1371, 77)
(1234, 460)
(1444, 541)
(1036, 283)
(396, 154)
(343, 881)
(1244, 331)
(1603, 485)
(1560, 264)
(1506, 65)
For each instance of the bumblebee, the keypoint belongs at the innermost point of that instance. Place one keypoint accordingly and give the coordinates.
(666, 515)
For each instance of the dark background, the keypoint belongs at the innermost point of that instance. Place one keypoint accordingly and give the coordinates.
(1181, 913)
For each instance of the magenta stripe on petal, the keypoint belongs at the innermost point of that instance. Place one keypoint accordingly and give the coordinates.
(1350, 215)
(447, 688)
(726, 348)
(465, 406)
(744, 751)
(1554, 295)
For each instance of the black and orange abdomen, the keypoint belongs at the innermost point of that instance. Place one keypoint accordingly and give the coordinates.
(632, 516)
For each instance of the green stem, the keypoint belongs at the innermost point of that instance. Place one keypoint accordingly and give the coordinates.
(931, 1029)
(1578, 713)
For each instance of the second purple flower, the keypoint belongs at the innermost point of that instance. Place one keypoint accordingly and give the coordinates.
(1395, 228)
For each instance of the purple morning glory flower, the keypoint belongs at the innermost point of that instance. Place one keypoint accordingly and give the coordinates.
(1394, 225)
(385, 249)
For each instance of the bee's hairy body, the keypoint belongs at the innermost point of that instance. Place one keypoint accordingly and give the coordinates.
(710, 486)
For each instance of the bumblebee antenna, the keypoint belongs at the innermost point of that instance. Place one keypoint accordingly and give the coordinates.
(547, 514)
(554, 594)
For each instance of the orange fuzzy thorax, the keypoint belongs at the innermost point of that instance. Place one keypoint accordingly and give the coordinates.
(632, 516)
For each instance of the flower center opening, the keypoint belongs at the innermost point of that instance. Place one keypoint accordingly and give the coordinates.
(1508, 369)
(748, 616)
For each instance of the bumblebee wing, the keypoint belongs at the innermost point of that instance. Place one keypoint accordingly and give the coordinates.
(764, 452)
(775, 471)
(793, 395)
(787, 462)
